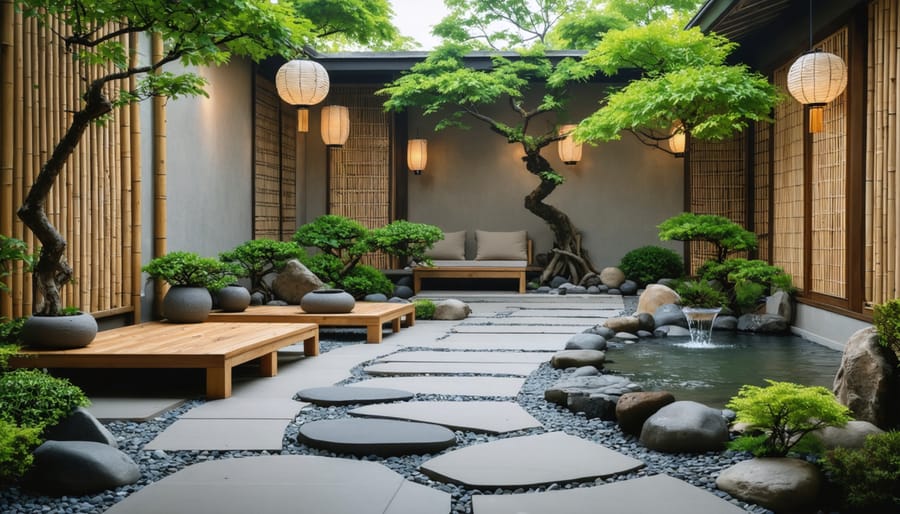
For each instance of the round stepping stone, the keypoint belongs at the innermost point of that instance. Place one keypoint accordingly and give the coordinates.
(381, 437)
(341, 395)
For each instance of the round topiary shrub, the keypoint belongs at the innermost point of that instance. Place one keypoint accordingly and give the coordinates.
(424, 308)
(648, 264)
(363, 280)
(32, 398)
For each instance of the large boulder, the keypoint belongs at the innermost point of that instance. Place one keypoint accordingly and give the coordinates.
(654, 296)
(451, 310)
(781, 304)
(586, 342)
(80, 425)
(294, 281)
(612, 277)
(763, 324)
(577, 358)
(867, 380)
(80, 467)
(630, 324)
(780, 484)
(669, 314)
(633, 409)
(685, 426)
(851, 435)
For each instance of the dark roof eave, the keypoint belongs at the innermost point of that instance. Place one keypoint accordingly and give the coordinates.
(402, 61)
(710, 13)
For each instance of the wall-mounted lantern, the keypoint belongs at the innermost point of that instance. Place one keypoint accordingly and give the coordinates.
(417, 155)
(335, 125)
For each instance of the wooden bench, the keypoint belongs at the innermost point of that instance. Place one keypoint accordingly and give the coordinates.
(372, 315)
(471, 269)
(217, 347)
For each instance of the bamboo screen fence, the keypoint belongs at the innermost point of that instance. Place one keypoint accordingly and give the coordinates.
(95, 202)
(717, 186)
(762, 164)
(275, 165)
(359, 173)
(881, 238)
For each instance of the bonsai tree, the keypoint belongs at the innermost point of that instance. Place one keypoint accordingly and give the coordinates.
(260, 257)
(191, 270)
(193, 33)
(726, 235)
(404, 239)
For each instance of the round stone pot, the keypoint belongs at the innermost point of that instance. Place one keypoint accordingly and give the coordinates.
(233, 298)
(183, 304)
(58, 332)
(327, 301)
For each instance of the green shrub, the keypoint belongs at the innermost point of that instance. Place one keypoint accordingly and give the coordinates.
(32, 398)
(189, 269)
(887, 323)
(260, 257)
(424, 308)
(869, 477)
(699, 294)
(648, 264)
(334, 235)
(726, 235)
(16, 447)
(12, 251)
(785, 413)
(11, 330)
(747, 281)
(402, 238)
(363, 280)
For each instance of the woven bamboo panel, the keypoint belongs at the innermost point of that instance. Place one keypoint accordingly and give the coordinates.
(762, 164)
(881, 214)
(360, 172)
(828, 252)
(787, 183)
(274, 169)
(718, 186)
(91, 203)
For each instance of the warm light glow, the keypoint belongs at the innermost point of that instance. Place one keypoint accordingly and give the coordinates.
(815, 79)
(417, 155)
(302, 83)
(677, 140)
(569, 150)
(335, 125)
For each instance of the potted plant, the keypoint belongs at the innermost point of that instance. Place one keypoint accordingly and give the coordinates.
(192, 277)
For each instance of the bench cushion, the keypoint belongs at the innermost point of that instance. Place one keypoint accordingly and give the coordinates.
(501, 246)
(452, 247)
(478, 264)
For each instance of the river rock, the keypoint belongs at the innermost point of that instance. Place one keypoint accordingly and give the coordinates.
(671, 331)
(294, 281)
(80, 467)
(685, 426)
(404, 292)
(851, 435)
(375, 297)
(626, 337)
(781, 484)
(669, 314)
(593, 406)
(612, 277)
(725, 323)
(557, 281)
(585, 371)
(600, 330)
(577, 358)
(586, 342)
(867, 380)
(654, 296)
(623, 324)
(629, 288)
(633, 409)
(611, 385)
(780, 303)
(646, 322)
(763, 324)
(451, 309)
(80, 425)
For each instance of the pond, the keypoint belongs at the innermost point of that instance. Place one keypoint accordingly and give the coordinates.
(711, 374)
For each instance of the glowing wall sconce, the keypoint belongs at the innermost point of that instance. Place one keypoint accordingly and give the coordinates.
(569, 150)
(302, 83)
(417, 155)
(677, 140)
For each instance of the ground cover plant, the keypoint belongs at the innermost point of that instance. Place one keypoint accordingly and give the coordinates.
(869, 477)
(887, 323)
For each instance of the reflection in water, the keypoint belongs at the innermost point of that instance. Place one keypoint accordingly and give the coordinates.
(713, 373)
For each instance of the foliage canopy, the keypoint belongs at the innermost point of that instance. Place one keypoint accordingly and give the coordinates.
(726, 235)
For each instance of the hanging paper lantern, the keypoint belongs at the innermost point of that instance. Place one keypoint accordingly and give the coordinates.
(417, 155)
(677, 140)
(335, 125)
(815, 79)
(569, 150)
(302, 83)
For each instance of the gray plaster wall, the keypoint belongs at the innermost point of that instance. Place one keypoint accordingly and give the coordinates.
(824, 327)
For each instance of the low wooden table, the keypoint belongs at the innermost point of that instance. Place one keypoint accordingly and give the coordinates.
(371, 315)
(217, 347)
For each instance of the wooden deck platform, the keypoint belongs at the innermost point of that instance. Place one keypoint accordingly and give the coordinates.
(372, 315)
(217, 347)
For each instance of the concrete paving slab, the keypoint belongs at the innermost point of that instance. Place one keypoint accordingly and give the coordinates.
(450, 368)
(285, 483)
(381, 437)
(658, 493)
(437, 356)
(528, 461)
(517, 329)
(481, 416)
(221, 434)
(131, 409)
(593, 313)
(246, 408)
(518, 342)
(540, 320)
(454, 386)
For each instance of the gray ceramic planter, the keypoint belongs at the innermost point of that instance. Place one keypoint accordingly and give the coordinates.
(327, 301)
(184, 304)
(59, 332)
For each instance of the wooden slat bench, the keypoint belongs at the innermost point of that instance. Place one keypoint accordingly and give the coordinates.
(217, 347)
(474, 269)
(372, 315)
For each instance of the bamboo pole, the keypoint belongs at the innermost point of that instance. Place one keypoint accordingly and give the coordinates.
(21, 293)
(136, 228)
(159, 178)
(7, 125)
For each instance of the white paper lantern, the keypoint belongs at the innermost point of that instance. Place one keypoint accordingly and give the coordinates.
(677, 140)
(815, 79)
(417, 155)
(302, 83)
(569, 150)
(335, 125)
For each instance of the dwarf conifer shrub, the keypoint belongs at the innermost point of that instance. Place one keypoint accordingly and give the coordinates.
(16, 446)
(32, 398)
(648, 264)
(887, 323)
(869, 477)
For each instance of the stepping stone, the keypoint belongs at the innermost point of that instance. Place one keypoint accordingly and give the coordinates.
(658, 493)
(520, 342)
(453, 386)
(246, 408)
(490, 417)
(516, 329)
(382, 437)
(593, 314)
(131, 409)
(285, 483)
(221, 434)
(528, 461)
(435, 356)
(450, 368)
(546, 321)
(343, 395)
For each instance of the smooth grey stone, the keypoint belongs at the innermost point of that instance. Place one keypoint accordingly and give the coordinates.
(661, 332)
(294, 281)
(451, 310)
(382, 437)
(668, 282)
(600, 330)
(257, 298)
(866, 380)
(577, 290)
(603, 288)
(80, 467)
(629, 287)
(626, 336)
(646, 322)
(781, 304)
(542, 289)
(763, 324)
(593, 290)
(669, 314)
(341, 395)
(80, 425)
(562, 291)
(405, 280)
(673, 331)
(397, 299)
(586, 342)
(557, 281)
(725, 323)
(404, 292)
(585, 371)
(278, 303)
(577, 358)
(729, 415)
(644, 334)
(593, 406)
(851, 435)
(599, 384)
(781, 484)
(614, 291)
(685, 426)
(375, 297)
